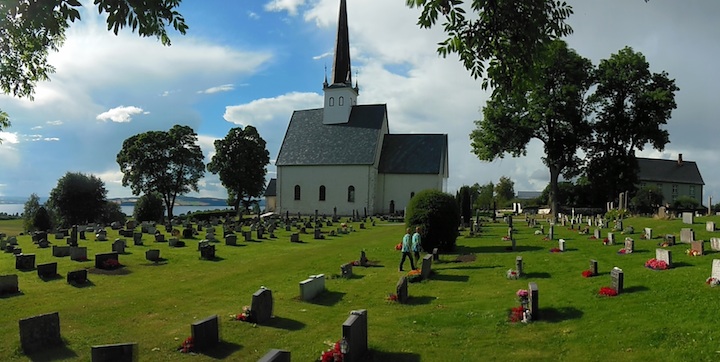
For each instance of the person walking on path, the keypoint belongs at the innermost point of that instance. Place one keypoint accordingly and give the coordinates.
(416, 245)
(406, 247)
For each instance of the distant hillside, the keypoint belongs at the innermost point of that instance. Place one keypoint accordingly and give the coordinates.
(180, 201)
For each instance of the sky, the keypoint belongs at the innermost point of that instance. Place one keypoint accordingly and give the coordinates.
(254, 62)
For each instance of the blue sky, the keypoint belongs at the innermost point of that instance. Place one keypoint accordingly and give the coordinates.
(254, 62)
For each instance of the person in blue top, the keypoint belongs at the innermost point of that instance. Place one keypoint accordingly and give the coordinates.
(416, 246)
(406, 247)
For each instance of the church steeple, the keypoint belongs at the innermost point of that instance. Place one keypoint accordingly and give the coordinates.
(340, 96)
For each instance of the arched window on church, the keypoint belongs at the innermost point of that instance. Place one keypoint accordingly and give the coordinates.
(351, 193)
(322, 193)
(332, 101)
(341, 101)
(297, 192)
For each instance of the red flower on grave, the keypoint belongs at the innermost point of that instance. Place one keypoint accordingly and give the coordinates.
(333, 354)
(187, 345)
(355, 263)
(593, 238)
(656, 264)
(607, 292)
(516, 314)
(587, 273)
(555, 250)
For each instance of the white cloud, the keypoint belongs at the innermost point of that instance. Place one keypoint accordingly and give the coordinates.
(267, 109)
(120, 114)
(9, 137)
(36, 127)
(253, 15)
(220, 88)
(54, 123)
(51, 139)
(291, 6)
(323, 55)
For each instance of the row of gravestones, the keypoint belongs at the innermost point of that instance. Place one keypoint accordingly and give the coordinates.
(401, 288)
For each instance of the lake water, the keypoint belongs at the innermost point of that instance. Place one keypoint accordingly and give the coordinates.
(13, 209)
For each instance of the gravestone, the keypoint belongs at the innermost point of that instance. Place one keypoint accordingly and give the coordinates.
(101, 259)
(710, 226)
(101, 235)
(355, 334)
(698, 246)
(77, 277)
(715, 272)
(275, 355)
(715, 244)
(210, 236)
(45, 244)
(426, 266)
(187, 233)
(247, 235)
(648, 233)
(205, 333)
(152, 255)
(670, 239)
(534, 299)
(618, 279)
(40, 332)
(436, 255)
(363, 258)
(346, 270)
(260, 233)
(151, 229)
(629, 245)
(664, 255)
(61, 251)
(688, 218)
(231, 240)
(596, 234)
(611, 238)
(137, 238)
(207, 252)
(159, 238)
(47, 270)
(401, 289)
(318, 234)
(175, 243)
(119, 246)
(25, 261)
(262, 306)
(311, 287)
(594, 267)
(9, 284)
(82, 235)
(519, 265)
(120, 352)
(551, 235)
(59, 236)
(561, 244)
(78, 253)
(295, 238)
(687, 235)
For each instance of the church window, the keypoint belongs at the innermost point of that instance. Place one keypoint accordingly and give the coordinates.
(332, 101)
(322, 193)
(341, 101)
(351, 193)
(297, 192)
(412, 194)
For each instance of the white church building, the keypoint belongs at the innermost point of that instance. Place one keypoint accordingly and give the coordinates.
(342, 157)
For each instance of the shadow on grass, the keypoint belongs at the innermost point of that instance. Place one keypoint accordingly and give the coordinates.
(59, 353)
(222, 350)
(119, 271)
(473, 267)
(536, 275)
(494, 249)
(680, 264)
(554, 315)
(419, 300)
(381, 356)
(286, 324)
(449, 278)
(10, 295)
(236, 245)
(215, 259)
(50, 278)
(159, 262)
(328, 298)
(88, 283)
(635, 289)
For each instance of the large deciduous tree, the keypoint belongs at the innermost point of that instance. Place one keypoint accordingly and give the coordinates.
(505, 190)
(554, 110)
(31, 29)
(31, 207)
(78, 198)
(632, 106)
(170, 163)
(497, 40)
(240, 160)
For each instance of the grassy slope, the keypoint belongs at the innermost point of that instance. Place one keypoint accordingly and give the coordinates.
(460, 314)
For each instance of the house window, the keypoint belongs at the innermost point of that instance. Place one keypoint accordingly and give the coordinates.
(322, 193)
(351, 193)
(332, 101)
(692, 191)
(675, 189)
(297, 192)
(341, 101)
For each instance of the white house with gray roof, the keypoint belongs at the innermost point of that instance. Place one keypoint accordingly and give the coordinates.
(342, 157)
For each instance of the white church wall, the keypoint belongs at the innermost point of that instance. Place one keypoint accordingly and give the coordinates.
(398, 188)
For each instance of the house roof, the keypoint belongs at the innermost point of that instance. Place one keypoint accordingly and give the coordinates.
(271, 189)
(310, 142)
(526, 195)
(657, 170)
(414, 154)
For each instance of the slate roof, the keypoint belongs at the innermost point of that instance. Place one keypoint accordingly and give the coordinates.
(526, 195)
(271, 189)
(657, 170)
(414, 154)
(310, 142)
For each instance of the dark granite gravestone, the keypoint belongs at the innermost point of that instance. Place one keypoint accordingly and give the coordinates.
(207, 252)
(152, 254)
(137, 238)
(78, 253)
(295, 238)
(276, 355)
(618, 279)
(519, 265)
(247, 235)
(101, 259)
(231, 239)
(82, 235)
(121, 352)
(356, 334)
(346, 270)
(77, 277)
(318, 234)
(47, 270)
(118, 246)
(25, 261)
(363, 258)
(262, 306)
(160, 238)
(46, 244)
(426, 266)
(670, 239)
(202, 244)
(436, 254)
(401, 289)
(594, 267)
(40, 333)
(534, 297)
(187, 233)
(206, 333)
(9, 284)
(175, 243)
(61, 251)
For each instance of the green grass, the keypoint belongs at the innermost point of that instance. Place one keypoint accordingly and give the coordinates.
(460, 314)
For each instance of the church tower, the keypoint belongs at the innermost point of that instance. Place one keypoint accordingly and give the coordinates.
(340, 95)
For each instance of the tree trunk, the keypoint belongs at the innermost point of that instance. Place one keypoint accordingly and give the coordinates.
(236, 205)
(554, 175)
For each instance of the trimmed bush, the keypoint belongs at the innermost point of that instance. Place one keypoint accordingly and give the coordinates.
(149, 207)
(438, 214)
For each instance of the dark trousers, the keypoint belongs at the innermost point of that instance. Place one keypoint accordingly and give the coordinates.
(407, 254)
(417, 257)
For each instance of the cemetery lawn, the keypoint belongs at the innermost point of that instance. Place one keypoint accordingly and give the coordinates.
(459, 314)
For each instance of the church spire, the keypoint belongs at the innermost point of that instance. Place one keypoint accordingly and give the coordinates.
(341, 73)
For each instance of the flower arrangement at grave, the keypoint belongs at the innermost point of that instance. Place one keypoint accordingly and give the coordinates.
(521, 313)
(414, 276)
(245, 316)
(693, 252)
(593, 238)
(538, 232)
(111, 264)
(187, 345)
(655, 264)
(606, 241)
(664, 244)
(523, 296)
(587, 273)
(334, 354)
(607, 292)
(555, 250)
(392, 297)
(355, 263)
(624, 251)
(512, 274)
(713, 282)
